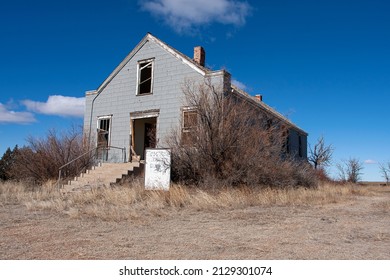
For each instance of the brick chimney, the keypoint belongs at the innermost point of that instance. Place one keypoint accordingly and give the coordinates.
(259, 97)
(199, 55)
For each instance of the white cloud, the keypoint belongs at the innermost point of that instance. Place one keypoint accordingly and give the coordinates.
(8, 116)
(370, 161)
(184, 15)
(58, 105)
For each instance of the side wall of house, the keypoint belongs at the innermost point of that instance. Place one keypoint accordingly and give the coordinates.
(297, 144)
(119, 98)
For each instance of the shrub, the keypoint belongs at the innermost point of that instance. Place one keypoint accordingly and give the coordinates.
(41, 159)
(6, 163)
(225, 140)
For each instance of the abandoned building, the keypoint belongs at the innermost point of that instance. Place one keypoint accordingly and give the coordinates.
(140, 102)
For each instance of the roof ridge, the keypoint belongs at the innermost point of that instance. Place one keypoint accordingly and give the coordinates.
(150, 37)
(189, 59)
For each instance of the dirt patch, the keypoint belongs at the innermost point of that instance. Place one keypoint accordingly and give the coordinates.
(357, 228)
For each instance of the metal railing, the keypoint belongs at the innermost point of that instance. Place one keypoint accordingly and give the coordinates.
(90, 160)
(111, 154)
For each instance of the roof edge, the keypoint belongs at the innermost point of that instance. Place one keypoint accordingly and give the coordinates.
(149, 37)
(267, 108)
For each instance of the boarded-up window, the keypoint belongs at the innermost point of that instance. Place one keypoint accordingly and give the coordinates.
(145, 77)
(190, 122)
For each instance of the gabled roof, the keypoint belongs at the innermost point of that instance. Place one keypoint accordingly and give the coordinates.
(198, 68)
(266, 108)
(149, 37)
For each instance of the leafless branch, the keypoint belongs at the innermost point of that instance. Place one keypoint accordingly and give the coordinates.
(350, 170)
(231, 141)
(385, 171)
(321, 155)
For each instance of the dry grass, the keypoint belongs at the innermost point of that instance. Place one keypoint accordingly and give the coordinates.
(332, 222)
(132, 201)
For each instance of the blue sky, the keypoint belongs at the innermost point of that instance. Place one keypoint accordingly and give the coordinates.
(323, 64)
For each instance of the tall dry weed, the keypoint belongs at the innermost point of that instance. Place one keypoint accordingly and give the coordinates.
(132, 202)
(11, 192)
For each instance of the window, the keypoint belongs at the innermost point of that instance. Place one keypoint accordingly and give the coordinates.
(145, 77)
(103, 137)
(269, 124)
(190, 120)
(300, 146)
(286, 142)
(189, 124)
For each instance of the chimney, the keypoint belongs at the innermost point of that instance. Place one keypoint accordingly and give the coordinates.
(199, 55)
(259, 97)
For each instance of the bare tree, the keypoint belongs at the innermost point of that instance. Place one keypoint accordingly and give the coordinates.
(350, 170)
(224, 138)
(321, 155)
(385, 170)
(40, 160)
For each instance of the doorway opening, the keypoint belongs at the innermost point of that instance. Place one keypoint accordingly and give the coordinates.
(144, 135)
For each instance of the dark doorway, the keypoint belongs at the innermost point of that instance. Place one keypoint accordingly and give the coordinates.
(144, 135)
(150, 135)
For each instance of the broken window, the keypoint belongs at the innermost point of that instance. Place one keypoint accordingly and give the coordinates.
(145, 76)
(103, 138)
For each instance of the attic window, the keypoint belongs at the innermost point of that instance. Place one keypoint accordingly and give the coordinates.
(145, 77)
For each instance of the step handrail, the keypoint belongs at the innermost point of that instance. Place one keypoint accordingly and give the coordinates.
(73, 160)
(70, 162)
(114, 147)
(95, 152)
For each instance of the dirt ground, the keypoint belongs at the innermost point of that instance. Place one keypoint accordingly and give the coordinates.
(356, 229)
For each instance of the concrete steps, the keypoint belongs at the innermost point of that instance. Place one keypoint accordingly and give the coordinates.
(101, 176)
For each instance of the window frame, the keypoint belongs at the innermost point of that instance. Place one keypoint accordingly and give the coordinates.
(99, 119)
(139, 71)
(186, 130)
(300, 146)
